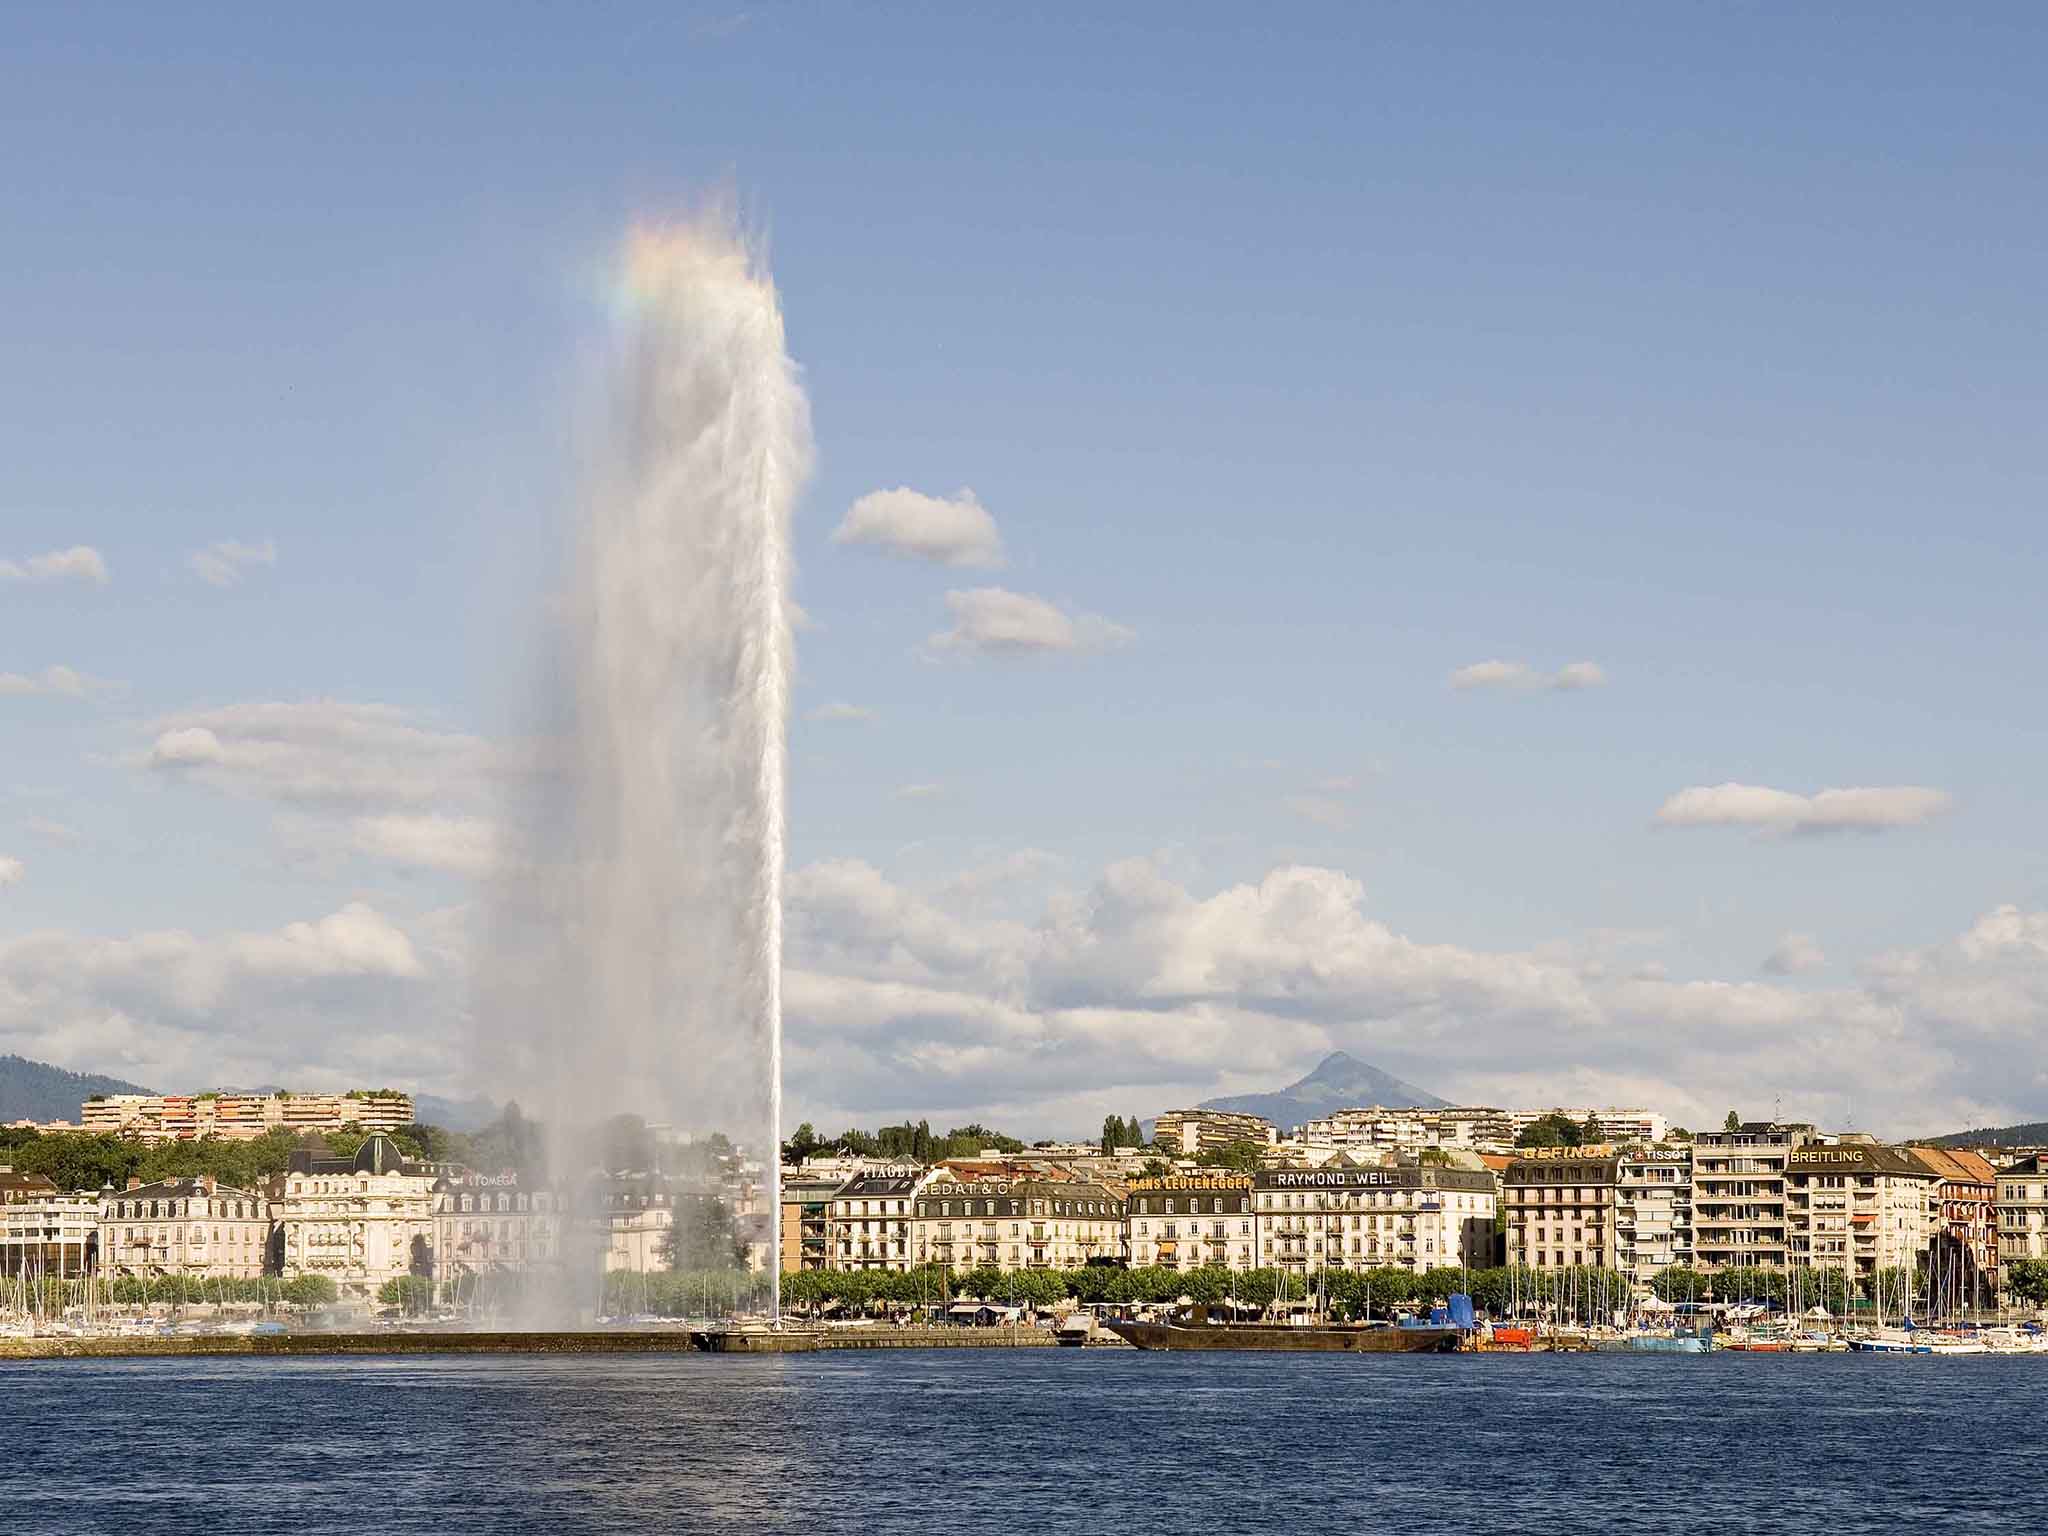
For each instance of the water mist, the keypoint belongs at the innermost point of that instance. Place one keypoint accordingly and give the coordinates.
(635, 960)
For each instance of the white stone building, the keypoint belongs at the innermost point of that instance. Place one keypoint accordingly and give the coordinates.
(1342, 1216)
(193, 1226)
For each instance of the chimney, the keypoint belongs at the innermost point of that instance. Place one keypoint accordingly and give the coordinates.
(207, 1182)
(134, 1182)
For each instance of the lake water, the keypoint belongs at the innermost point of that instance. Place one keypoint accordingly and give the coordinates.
(1031, 1442)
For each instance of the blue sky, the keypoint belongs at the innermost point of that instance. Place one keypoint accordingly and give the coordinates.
(1326, 355)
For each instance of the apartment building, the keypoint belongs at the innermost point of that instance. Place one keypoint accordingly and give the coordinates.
(1342, 1216)
(44, 1231)
(1027, 1223)
(2023, 1210)
(195, 1227)
(1188, 1132)
(1858, 1208)
(1653, 1211)
(241, 1116)
(804, 1226)
(1966, 1241)
(1191, 1221)
(1562, 1206)
(1738, 1194)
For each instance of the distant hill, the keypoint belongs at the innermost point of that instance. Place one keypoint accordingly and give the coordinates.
(2032, 1134)
(1339, 1082)
(34, 1090)
(454, 1114)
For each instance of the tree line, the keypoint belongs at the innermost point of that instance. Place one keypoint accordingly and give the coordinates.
(908, 1142)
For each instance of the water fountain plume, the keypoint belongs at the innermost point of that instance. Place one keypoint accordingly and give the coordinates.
(637, 932)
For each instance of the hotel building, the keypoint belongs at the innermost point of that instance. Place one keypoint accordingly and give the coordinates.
(1342, 1216)
(1562, 1204)
(485, 1222)
(870, 1221)
(184, 1227)
(1027, 1223)
(358, 1220)
(1738, 1194)
(44, 1231)
(1194, 1221)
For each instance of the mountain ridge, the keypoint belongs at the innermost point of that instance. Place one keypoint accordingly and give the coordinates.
(1339, 1081)
(35, 1090)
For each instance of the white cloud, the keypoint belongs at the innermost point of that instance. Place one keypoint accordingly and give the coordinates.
(841, 711)
(223, 564)
(81, 562)
(460, 845)
(336, 1001)
(1795, 954)
(59, 682)
(956, 532)
(11, 871)
(1831, 810)
(994, 621)
(1520, 676)
(323, 751)
(1146, 994)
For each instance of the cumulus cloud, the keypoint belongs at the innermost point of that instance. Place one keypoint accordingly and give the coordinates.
(81, 562)
(223, 564)
(1831, 810)
(322, 751)
(331, 1001)
(1795, 954)
(11, 871)
(1141, 990)
(459, 845)
(956, 531)
(993, 621)
(841, 711)
(1520, 676)
(55, 682)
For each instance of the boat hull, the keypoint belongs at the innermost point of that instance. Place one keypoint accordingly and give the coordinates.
(1261, 1336)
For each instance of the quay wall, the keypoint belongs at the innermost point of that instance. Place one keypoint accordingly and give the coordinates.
(621, 1342)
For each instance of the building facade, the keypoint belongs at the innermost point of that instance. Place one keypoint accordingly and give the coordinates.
(1562, 1205)
(1012, 1224)
(1190, 1132)
(193, 1227)
(1342, 1216)
(1192, 1221)
(1965, 1246)
(1738, 1194)
(360, 1220)
(2023, 1210)
(871, 1219)
(242, 1116)
(804, 1231)
(43, 1231)
(1857, 1208)
(1653, 1211)
(488, 1223)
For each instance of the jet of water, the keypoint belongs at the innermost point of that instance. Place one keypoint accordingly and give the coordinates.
(637, 957)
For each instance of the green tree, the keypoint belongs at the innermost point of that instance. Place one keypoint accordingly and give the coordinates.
(309, 1291)
(1551, 1130)
(1590, 1131)
(1242, 1156)
(703, 1235)
(2028, 1280)
(413, 1293)
(1733, 1122)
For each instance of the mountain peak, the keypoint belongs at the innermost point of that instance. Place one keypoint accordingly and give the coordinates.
(1339, 1081)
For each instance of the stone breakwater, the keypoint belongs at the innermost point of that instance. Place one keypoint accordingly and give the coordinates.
(478, 1343)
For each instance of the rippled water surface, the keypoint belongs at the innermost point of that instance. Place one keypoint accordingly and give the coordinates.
(1026, 1441)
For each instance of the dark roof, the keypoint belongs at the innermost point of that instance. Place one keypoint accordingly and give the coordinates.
(868, 1185)
(377, 1154)
(182, 1189)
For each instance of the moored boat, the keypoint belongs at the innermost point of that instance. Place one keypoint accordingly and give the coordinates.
(1336, 1338)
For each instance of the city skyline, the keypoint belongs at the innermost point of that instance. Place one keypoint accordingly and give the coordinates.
(1549, 608)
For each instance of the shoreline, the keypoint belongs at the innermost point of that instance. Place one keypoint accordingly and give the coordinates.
(507, 1342)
